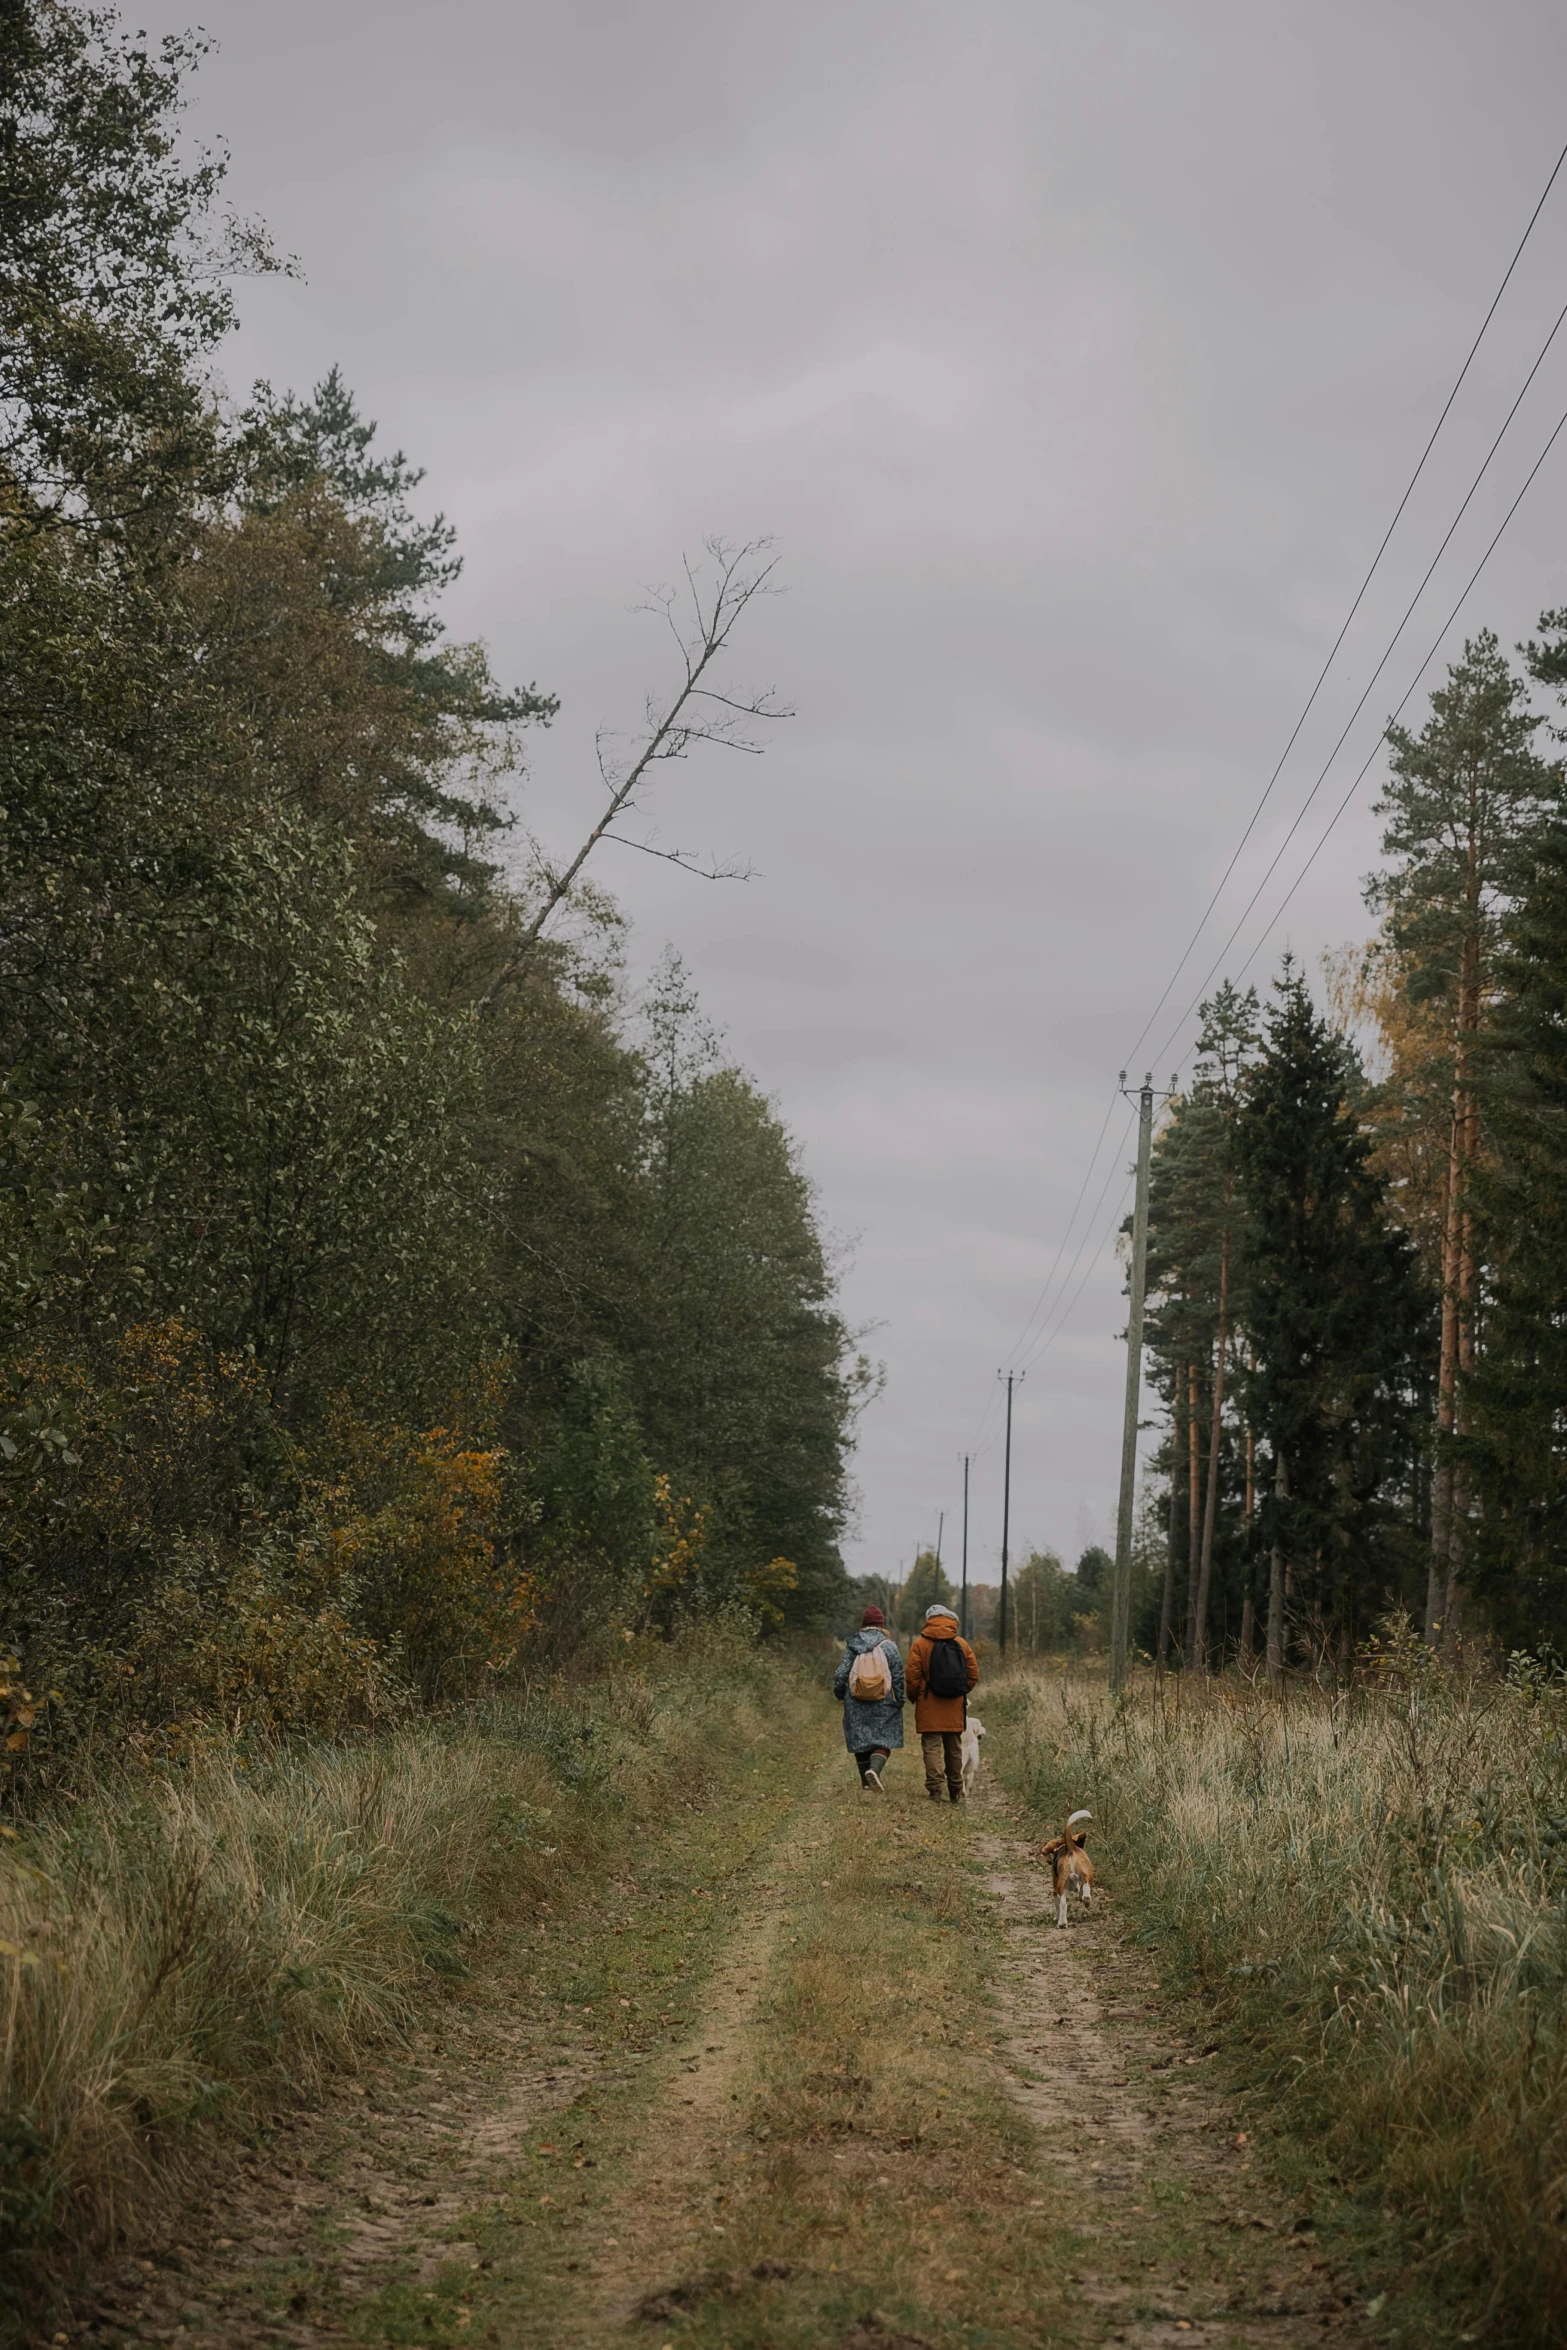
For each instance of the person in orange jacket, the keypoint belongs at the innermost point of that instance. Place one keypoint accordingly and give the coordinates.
(940, 1671)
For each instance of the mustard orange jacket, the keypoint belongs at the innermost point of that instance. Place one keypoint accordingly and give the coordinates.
(937, 1713)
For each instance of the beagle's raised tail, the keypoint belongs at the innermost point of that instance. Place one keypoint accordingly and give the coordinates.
(1070, 1864)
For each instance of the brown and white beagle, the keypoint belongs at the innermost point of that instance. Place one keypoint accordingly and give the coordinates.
(1070, 1864)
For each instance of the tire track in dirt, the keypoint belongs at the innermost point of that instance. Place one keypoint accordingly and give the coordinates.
(669, 2214)
(287, 2245)
(376, 2183)
(1171, 2230)
(1128, 2117)
(387, 2177)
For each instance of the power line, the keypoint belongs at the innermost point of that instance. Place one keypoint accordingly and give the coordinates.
(1392, 646)
(1360, 595)
(1116, 1216)
(1556, 430)
(1436, 647)
(1067, 1299)
(1049, 1334)
(1069, 1296)
(1067, 1229)
(1338, 641)
(977, 1446)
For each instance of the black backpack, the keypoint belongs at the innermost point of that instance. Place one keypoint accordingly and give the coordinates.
(947, 1675)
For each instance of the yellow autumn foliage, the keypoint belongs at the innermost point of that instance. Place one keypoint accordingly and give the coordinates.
(680, 1544)
(417, 1525)
(1409, 1111)
(683, 1571)
(768, 1587)
(393, 1573)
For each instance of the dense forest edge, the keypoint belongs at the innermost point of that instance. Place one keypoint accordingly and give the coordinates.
(389, 1295)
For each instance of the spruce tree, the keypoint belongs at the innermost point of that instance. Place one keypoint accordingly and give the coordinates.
(1180, 1324)
(1229, 1033)
(1334, 1319)
(1516, 1397)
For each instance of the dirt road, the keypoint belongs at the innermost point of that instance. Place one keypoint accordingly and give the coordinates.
(819, 2070)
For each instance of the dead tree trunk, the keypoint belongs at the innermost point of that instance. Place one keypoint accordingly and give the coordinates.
(696, 714)
(1167, 1602)
(1193, 1493)
(1276, 1586)
(1198, 1658)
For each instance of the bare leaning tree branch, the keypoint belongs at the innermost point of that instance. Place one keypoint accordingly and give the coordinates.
(689, 860)
(698, 713)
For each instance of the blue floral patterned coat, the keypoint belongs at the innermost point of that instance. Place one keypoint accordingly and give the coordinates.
(864, 1724)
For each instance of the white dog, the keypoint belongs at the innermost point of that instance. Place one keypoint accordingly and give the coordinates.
(973, 1732)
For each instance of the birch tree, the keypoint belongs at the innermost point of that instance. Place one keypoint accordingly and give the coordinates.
(1229, 1035)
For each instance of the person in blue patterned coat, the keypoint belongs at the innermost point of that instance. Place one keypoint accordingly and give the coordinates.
(872, 1694)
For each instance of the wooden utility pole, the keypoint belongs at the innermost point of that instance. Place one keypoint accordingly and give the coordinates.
(963, 1601)
(941, 1520)
(1121, 1599)
(1006, 1506)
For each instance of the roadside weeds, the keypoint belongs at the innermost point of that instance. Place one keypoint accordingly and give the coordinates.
(803, 2070)
(345, 1913)
(1358, 1894)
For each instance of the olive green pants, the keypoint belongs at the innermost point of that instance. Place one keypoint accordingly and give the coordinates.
(943, 1752)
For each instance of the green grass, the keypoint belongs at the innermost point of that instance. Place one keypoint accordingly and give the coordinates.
(1368, 1890)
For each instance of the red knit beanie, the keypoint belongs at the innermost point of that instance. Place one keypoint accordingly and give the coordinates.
(872, 1615)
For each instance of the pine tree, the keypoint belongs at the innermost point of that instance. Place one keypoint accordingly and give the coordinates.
(1179, 1330)
(1333, 1324)
(1464, 799)
(926, 1582)
(1229, 1032)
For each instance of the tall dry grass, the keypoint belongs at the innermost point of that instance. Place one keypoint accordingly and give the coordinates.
(1369, 1886)
(184, 1946)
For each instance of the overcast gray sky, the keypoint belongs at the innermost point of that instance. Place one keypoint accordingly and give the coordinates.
(1076, 355)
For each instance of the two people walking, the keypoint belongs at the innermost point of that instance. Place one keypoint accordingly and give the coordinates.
(875, 1685)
